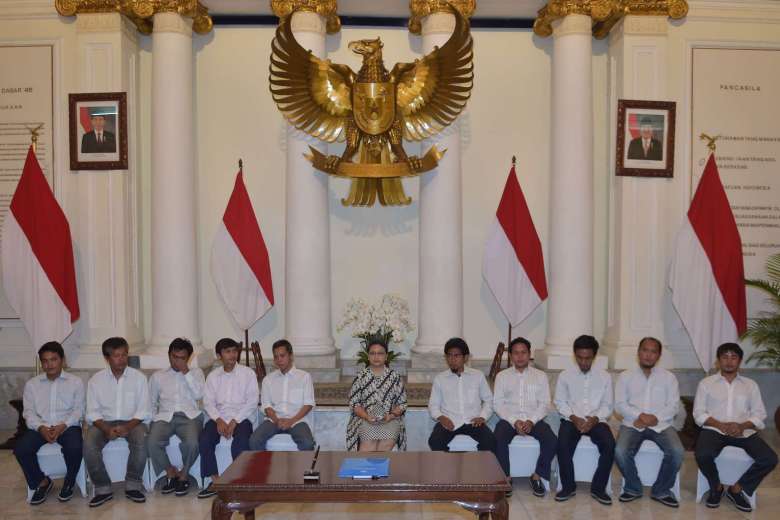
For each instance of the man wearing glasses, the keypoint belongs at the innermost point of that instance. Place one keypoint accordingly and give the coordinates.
(461, 401)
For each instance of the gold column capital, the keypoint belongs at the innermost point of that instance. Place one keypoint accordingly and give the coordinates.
(141, 12)
(419, 9)
(325, 8)
(606, 13)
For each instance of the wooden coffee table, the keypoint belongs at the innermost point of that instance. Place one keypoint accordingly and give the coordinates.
(472, 480)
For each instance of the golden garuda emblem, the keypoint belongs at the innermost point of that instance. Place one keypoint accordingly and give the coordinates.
(373, 110)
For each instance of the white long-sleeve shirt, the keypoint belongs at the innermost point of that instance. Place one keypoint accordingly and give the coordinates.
(521, 395)
(232, 395)
(658, 394)
(586, 394)
(123, 399)
(739, 401)
(49, 403)
(460, 399)
(287, 393)
(171, 391)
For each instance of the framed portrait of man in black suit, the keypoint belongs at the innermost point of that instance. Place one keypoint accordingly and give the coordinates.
(645, 138)
(98, 131)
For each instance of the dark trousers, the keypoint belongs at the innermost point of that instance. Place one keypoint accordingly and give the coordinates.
(209, 438)
(711, 443)
(541, 431)
(441, 437)
(568, 438)
(26, 452)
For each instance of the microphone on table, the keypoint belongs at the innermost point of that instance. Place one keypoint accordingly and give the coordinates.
(312, 475)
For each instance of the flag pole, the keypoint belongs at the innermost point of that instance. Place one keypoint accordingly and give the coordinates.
(246, 346)
(34, 141)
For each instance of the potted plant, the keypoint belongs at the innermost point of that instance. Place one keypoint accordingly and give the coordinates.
(764, 330)
(387, 321)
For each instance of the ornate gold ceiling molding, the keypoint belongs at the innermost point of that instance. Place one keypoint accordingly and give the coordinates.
(325, 8)
(422, 8)
(606, 13)
(141, 12)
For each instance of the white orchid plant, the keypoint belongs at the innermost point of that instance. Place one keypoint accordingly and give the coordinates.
(387, 321)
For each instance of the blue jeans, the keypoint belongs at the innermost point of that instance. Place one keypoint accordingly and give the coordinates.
(628, 444)
(300, 433)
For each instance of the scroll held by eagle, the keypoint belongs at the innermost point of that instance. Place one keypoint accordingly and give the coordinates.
(373, 110)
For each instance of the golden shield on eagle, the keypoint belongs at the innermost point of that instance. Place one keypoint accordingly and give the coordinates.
(373, 105)
(373, 110)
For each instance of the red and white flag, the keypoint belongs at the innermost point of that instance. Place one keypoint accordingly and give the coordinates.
(707, 276)
(513, 265)
(239, 260)
(39, 277)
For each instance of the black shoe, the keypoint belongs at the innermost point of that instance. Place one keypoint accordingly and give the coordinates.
(207, 492)
(668, 500)
(66, 493)
(182, 487)
(136, 495)
(739, 500)
(564, 495)
(713, 499)
(601, 497)
(537, 488)
(169, 486)
(99, 500)
(39, 497)
(627, 496)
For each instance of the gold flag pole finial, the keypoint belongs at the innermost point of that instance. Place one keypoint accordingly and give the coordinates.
(514, 160)
(34, 132)
(710, 141)
(241, 165)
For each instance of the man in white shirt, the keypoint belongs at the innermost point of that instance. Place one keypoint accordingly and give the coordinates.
(460, 401)
(287, 397)
(117, 406)
(648, 398)
(230, 401)
(729, 409)
(174, 394)
(53, 408)
(522, 401)
(583, 397)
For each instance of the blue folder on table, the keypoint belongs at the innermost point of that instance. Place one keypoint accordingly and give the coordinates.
(364, 468)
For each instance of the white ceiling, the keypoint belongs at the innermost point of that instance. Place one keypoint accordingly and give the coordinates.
(383, 8)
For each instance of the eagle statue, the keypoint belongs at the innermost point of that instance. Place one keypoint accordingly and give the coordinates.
(373, 110)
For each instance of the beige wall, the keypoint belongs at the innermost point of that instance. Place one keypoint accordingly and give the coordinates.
(375, 250)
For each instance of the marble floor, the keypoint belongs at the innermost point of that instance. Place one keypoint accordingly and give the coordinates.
(523, 506)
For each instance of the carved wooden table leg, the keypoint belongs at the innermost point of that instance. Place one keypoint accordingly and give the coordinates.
(219, 510)
(502, 510)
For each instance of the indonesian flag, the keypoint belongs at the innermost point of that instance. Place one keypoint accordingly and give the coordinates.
(707, 277)
(513, 265)
(39, 277)
(239, 260)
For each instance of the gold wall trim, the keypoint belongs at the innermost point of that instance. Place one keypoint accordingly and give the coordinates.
(141, 12)
(606, 13)
(419, 9)
(325, 8)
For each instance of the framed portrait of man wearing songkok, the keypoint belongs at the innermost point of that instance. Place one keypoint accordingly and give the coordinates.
(98, 131)
(645, 138)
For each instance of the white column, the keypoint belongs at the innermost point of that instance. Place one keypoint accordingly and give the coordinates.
(105, 227)
(440, 314)
(173, 219)
(642, 224)
(570, 308)
(307, 241)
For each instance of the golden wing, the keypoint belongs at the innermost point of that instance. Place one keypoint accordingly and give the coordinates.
(314, 95)
(432, 91)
